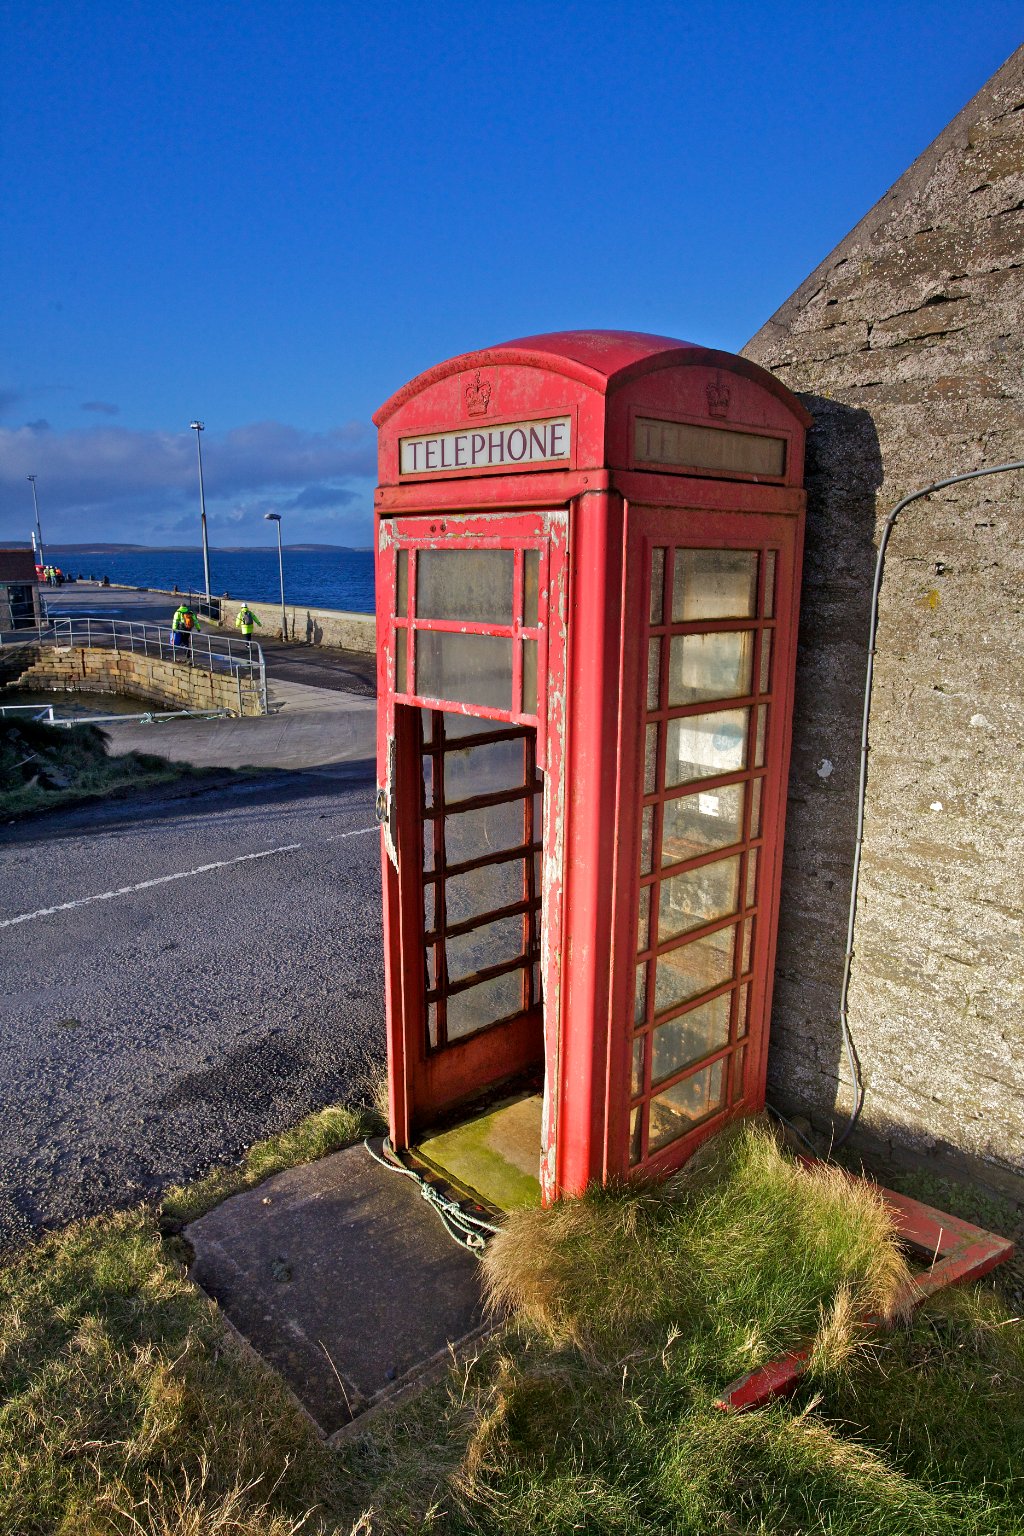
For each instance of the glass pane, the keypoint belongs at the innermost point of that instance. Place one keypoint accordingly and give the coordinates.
(428, 908)
(427, 725)
(432, 1025)
(471, 584)
(638, 1067)
(700, 746)
(751, 891)
(474, 1009)
(769, 584)
(468, 725)
(710, 666)
(484, 890)
(694, 824)
(762, 722)
(743, 1011)
(484, 770)
(678, 1109)
(766, 661)
(468, 669)
(651, 759)
(697, 897)
(643, 927)
(401, 653)
(640, 995)
(714, 584)
(646, 839)
(755, 808)
(531, 587)
(470, 834)
(694, 968)
(635, 1134)
(748, 945)
(402, 598)
(739, 1062)
(688, 1038)
(653, 672)
(657, 585)
(529, 677)
(431, 976)
(490, 945)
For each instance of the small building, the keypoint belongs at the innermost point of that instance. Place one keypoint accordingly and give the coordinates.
(19, 589)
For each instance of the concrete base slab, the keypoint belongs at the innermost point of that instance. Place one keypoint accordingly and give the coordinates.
(342, 1279)
(495, 1155)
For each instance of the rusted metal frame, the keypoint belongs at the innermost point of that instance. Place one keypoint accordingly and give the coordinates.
(470, 924)
(674, 493)
(671, 627)
(711, 707)
(531, 902)
(750, 845)
(477, 627)
(483, 739)
(518, 493)
(689, 1070)
(786, 547)
(481, 802)
(958, 1250)
(499, 856)
(684, 866)
(486, 973)
(439, 887)
(748, 912)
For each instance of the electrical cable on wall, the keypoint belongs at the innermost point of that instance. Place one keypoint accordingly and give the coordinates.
(848, 1042)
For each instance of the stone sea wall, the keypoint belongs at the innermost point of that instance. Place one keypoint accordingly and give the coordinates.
(174, 685)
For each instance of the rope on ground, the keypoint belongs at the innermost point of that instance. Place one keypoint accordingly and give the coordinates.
(470, 1232)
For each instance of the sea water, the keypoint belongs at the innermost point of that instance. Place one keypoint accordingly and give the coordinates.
(337, 578)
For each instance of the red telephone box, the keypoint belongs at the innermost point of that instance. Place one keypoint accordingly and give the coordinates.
(588, 564)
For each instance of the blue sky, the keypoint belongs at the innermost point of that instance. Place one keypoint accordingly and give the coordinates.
(272, 215)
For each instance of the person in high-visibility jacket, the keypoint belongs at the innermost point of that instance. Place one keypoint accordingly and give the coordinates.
(183, 624)
(245, 621)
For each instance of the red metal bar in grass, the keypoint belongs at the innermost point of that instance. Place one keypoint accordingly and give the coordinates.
(957, 1250)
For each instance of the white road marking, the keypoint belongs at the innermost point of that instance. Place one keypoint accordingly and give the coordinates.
(181, 874)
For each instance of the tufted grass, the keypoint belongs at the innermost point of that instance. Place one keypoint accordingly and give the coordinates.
(126, 1409)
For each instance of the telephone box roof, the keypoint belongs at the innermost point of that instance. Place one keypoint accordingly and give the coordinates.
(603, 360)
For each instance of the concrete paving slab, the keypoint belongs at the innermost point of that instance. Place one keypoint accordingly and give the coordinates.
(307, 728)
(343, 1279)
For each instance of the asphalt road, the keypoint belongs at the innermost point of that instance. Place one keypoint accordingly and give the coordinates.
(167, 1013)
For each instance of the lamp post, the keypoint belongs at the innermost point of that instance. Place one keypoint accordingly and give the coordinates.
(275, 517)
(197, 427)
(39, 531)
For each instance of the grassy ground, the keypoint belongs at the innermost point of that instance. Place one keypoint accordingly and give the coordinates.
(126, 1408)
(45, 767)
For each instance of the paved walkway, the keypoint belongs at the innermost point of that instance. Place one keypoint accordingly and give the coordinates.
(307, 728)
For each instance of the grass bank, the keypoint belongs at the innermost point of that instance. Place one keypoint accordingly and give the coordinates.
(45, 767)
(126, 1407)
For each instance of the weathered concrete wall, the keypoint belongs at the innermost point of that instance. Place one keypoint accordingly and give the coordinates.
(172, 684)
(906, 345)
(310, 626)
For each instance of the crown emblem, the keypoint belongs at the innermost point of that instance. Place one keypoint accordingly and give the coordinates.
(478, 397)
(718, 398)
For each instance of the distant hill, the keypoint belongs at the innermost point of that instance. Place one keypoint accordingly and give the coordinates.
(193, 549)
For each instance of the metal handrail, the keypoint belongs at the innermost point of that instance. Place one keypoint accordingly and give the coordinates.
(241, 659)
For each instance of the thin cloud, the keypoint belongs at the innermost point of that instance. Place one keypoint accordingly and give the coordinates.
(135, 484)
(101, 407)
(9, 398)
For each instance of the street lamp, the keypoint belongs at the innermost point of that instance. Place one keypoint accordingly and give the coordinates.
(275, 517)
(39, 531)
(197, 428)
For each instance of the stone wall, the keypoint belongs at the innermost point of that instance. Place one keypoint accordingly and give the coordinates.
(906, 345)
(174, 685)
(309, 626)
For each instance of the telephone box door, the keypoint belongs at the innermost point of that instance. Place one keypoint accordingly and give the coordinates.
(471, 763)
(712, 663)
